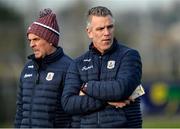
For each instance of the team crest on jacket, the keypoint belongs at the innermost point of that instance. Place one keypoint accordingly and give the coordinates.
(49, 76)
(111, 64)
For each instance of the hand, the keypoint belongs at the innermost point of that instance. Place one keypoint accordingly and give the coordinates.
(81, 93)
(83, 89)
(130, 98)
(117, 104)
(121, 104)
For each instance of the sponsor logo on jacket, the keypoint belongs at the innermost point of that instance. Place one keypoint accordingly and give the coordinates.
(27, 75)
(30, 66)
(87, 60)
(87, 67)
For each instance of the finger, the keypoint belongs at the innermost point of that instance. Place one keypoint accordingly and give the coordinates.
(130, 98)
(81, 93)
(122, 104)
(127, 101)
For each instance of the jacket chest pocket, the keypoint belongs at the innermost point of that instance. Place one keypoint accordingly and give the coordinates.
(90, 75)
(99, 73)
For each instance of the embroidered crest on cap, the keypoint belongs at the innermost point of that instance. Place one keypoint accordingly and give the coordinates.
(49, 76)
(111, 64)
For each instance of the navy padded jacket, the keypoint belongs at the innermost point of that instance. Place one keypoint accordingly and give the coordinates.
(109, 77)
(39, 95)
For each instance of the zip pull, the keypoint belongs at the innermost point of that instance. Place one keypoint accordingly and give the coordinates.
(37, 77)
(37, 74)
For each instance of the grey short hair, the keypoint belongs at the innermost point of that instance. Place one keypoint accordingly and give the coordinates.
(98, 11)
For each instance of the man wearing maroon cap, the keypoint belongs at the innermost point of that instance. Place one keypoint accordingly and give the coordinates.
(42, 79)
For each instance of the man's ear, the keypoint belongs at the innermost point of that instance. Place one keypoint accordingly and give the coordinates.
(88, 31)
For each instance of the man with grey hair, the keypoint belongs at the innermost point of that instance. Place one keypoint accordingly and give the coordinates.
(42, 79)
(98, 83)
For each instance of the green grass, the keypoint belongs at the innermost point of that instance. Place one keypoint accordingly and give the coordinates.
(161, 122)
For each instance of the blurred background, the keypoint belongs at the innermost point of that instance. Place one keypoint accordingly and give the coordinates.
(150, 26)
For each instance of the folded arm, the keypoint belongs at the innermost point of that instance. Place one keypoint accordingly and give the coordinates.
(74, 103)
(128, 78)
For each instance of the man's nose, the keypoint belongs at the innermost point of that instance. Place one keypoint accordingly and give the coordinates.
(106, 31)
(32, 44)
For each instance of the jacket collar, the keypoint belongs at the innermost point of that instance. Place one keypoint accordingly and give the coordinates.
(49, 58)
(110, 50)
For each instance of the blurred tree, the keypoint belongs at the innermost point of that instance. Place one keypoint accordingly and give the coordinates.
(11, 33)
(127, 25)
(12, 56)
(8, 14)
(74, 38)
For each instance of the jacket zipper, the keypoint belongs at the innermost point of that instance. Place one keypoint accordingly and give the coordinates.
(33, 90)
(99, 77)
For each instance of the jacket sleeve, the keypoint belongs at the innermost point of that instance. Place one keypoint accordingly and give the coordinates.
(72, 103)
(18, 116)
(127, 79)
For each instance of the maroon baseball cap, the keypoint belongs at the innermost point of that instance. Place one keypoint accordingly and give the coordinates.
(46, 27)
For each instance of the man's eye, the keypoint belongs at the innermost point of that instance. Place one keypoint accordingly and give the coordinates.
(36, 39)
(100, 28)
(110, 27)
